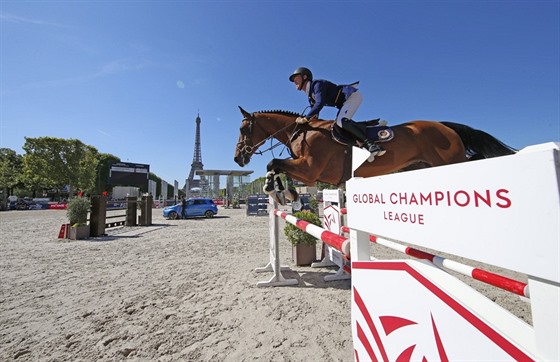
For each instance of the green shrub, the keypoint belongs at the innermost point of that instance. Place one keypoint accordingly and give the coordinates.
(77, 210)
(314, 204)
(295, 235)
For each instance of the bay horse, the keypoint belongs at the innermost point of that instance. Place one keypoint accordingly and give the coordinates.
(317, 157)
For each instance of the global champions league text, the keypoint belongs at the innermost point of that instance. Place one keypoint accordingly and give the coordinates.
(461, 198)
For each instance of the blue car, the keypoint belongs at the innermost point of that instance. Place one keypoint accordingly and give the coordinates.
(195, 207)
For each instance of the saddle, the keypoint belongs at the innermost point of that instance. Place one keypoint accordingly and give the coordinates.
(375, 130)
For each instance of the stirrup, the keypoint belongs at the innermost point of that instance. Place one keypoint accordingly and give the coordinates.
(374, 148)
(381, 152)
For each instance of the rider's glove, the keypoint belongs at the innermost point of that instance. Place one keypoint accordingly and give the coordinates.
(302, 120)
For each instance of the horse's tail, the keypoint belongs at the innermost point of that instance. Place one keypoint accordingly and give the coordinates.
(479, 144)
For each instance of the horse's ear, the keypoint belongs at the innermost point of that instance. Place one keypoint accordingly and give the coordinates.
(244, 112)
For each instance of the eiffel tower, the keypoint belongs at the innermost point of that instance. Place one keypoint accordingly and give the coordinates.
(196, 165)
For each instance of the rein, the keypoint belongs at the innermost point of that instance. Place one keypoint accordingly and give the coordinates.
(260, 153)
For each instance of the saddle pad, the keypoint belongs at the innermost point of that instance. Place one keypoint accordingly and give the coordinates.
(374, 133)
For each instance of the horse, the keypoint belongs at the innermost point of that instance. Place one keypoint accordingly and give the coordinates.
(316, 156)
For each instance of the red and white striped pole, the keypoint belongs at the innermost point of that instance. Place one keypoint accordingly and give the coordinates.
(487, 277)
(338, 242)
(496, 280)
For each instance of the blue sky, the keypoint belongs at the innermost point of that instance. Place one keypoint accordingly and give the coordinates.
(130, 77)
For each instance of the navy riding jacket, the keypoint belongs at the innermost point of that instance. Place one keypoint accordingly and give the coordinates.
(324, 93)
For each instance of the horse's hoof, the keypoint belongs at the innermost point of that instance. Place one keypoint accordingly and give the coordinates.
(278, 198)
(371, 157)
(281, 198)
(291, 195)
(268, 189)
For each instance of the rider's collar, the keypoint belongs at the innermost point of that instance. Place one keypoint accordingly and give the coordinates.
(307, 87)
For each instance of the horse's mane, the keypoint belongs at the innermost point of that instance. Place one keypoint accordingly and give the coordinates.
(286, 113)
(321, 125)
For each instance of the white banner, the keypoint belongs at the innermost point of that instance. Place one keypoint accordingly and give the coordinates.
(502, 211)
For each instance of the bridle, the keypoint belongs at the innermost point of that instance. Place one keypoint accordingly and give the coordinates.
(245, 148)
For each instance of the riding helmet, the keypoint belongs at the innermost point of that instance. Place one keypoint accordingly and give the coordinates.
(303, 71)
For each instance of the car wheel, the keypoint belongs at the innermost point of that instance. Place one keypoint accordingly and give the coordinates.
(209, 214)
(173, 215)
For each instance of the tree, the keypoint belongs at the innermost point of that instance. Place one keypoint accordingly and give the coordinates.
(55, 162)
(257, 185)
(325, 186)
(10, 168)
(104, 161)
(10, 171)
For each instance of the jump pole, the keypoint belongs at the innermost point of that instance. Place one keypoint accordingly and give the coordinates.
(510, 285)
(497, 280)
(334, 240)
(274, 262)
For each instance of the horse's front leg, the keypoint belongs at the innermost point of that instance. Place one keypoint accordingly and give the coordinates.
(297, 169)
(275, 188)
(292, 168)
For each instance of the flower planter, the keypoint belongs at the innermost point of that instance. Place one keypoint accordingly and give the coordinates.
(79, 232)
(304, 254)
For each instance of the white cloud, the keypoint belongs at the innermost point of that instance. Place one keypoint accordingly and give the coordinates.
(114, 67)
(121, 66)
(104, 133)
(10, 18)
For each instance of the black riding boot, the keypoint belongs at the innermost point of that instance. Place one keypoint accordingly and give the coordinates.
(349, 126)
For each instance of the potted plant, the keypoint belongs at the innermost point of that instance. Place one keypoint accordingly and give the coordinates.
(235, 202)
(303, 244)
(77, 210)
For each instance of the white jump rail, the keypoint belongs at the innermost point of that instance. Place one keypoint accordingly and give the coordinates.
(503, 212)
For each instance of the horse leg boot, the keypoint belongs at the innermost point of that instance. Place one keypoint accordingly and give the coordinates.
(349, 126)
(270, 189)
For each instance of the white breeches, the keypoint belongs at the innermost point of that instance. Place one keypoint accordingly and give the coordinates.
(349, 108)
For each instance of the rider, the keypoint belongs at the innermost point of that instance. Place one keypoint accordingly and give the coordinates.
(347, 98)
